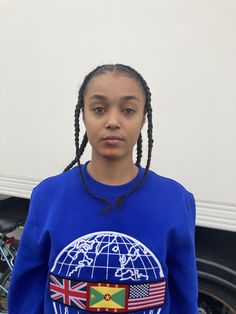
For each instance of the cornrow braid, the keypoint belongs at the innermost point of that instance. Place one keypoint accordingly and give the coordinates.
(123, 69)
(139, 150)
(81, 149)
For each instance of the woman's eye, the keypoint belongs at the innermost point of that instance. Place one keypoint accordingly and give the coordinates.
(129, 110)
(98, 109)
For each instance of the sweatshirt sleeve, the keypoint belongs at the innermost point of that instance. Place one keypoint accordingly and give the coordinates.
(29, 276)
(182, 281)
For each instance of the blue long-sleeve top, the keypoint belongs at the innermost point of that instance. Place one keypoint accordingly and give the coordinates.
(139, 258)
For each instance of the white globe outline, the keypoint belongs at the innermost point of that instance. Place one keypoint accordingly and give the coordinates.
(161, 274)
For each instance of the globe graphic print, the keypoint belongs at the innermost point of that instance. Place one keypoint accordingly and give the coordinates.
(106, 256)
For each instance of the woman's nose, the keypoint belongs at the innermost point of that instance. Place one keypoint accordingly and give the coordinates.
(113, 120)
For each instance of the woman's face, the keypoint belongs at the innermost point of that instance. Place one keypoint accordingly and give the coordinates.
(113, 107)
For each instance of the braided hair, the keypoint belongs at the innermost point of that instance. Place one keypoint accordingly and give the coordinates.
(121, 69)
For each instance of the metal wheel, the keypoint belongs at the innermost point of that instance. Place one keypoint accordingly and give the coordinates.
(215, 299)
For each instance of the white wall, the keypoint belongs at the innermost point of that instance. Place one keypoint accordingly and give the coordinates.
(184, 49)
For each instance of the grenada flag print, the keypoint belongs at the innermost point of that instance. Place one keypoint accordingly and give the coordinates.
(107, 296)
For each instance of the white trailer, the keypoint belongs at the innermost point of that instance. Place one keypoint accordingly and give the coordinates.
(186, 52)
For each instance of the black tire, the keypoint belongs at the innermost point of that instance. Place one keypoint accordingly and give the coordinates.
(4, 281)
(214, 298)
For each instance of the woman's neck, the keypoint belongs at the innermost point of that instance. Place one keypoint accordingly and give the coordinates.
(112, 172)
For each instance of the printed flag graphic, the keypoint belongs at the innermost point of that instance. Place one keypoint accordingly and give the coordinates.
(108, 297)
(146, 295)
(67, 291)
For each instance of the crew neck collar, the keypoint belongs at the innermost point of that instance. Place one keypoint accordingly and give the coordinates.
(105, 189)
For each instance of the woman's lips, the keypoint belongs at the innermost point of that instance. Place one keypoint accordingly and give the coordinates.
(112, 141)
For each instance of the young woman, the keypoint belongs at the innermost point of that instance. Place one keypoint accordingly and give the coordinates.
(108, 235)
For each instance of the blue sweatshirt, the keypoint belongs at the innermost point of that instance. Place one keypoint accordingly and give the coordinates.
(140, 258)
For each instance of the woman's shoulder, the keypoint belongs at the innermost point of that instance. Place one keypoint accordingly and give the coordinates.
(167, 184)
(56, 182)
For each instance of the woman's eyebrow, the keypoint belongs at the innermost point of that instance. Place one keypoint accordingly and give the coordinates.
(131, 97)
(99, 97)
(102, 97)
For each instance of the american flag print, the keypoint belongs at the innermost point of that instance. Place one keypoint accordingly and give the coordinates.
(146, 295)
(68, 292)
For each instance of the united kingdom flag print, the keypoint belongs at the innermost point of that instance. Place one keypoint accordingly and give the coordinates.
(69, 292)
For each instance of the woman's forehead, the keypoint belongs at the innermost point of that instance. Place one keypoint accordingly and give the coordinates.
(109, 83)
